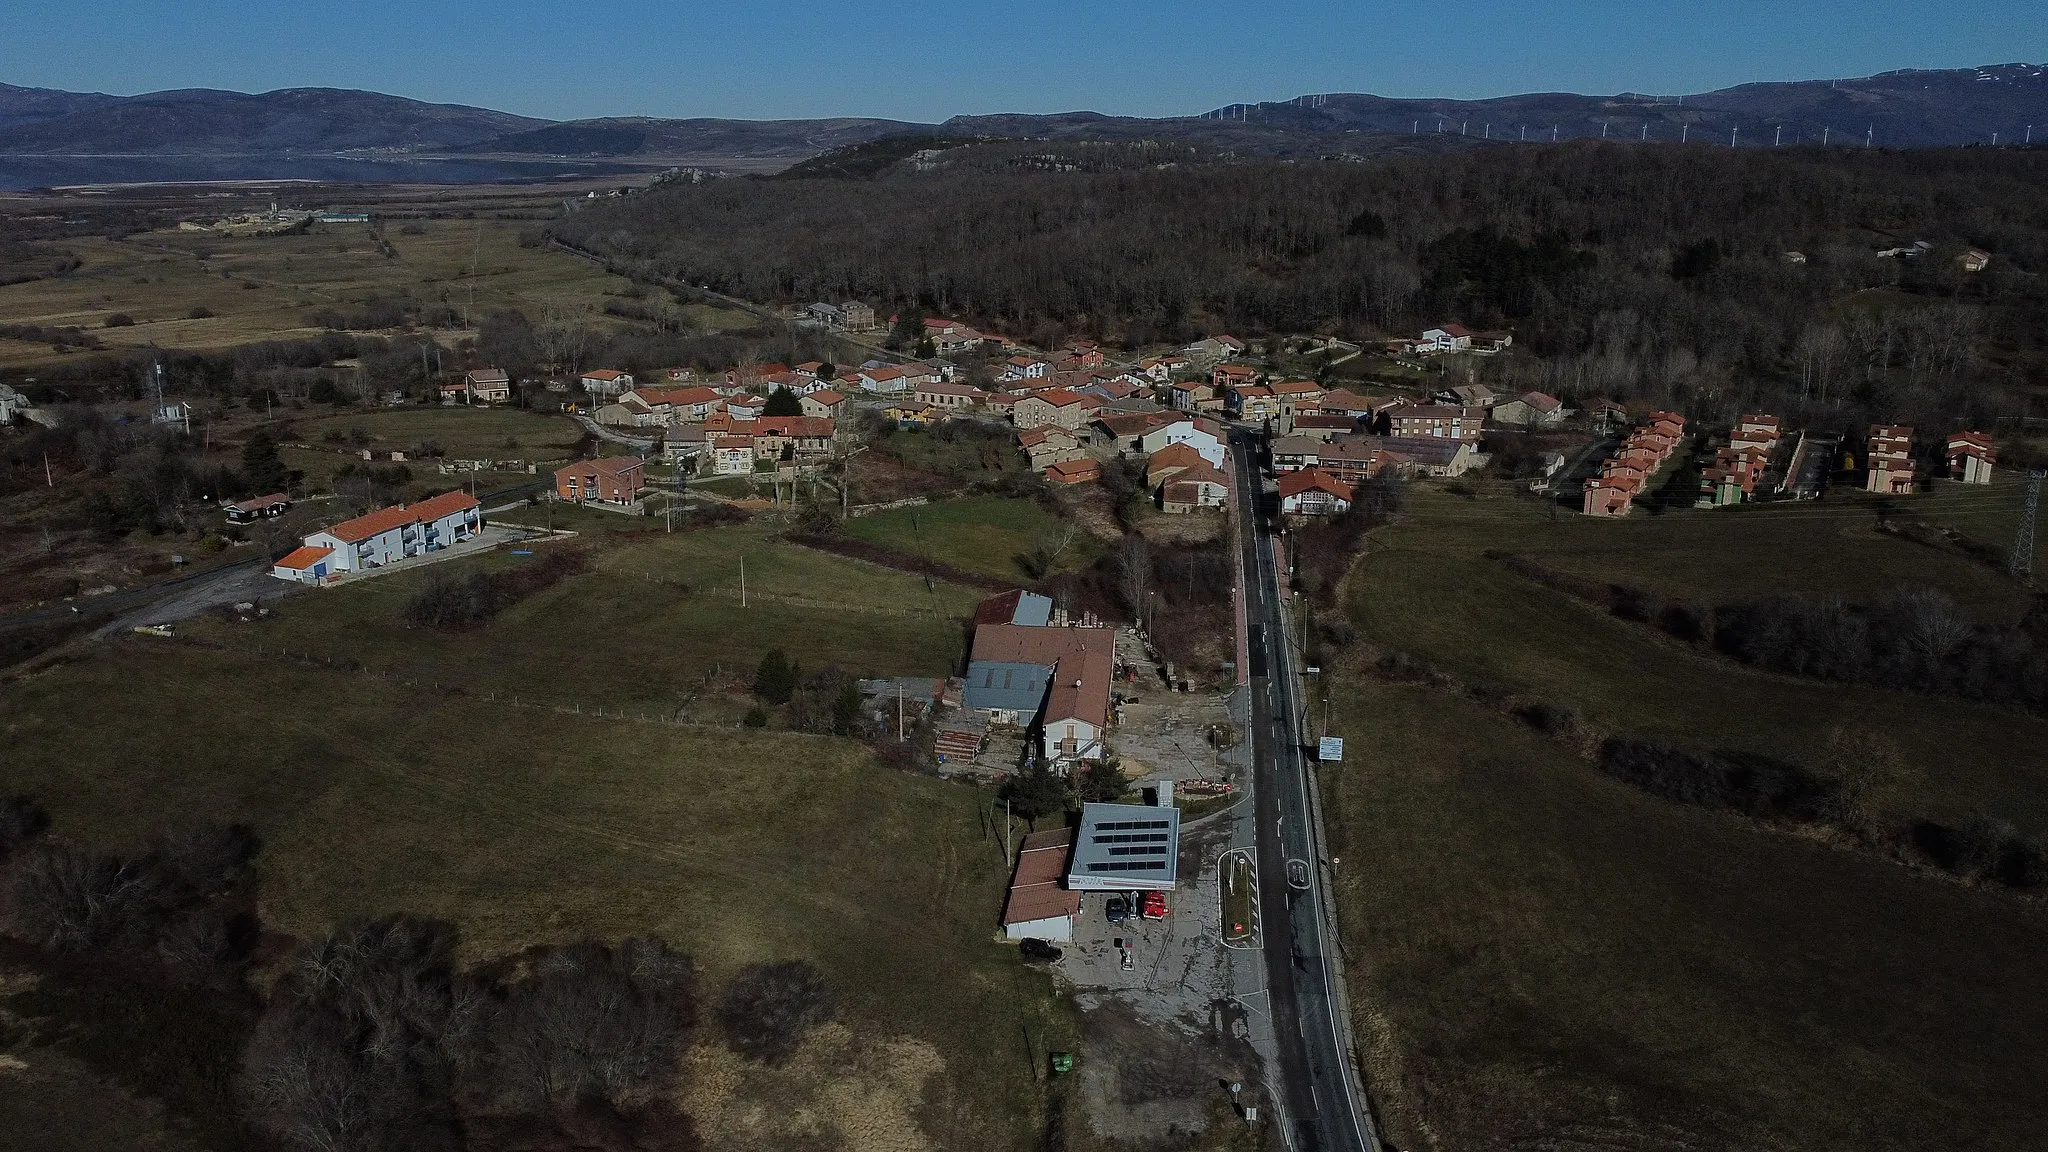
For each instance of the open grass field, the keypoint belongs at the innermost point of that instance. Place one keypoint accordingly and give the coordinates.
(985, 534)
(1427, 588)
(1826, 547)
(642, 628)
(525, 825)
(420, 785)
(461, 431)
(264, 287)
(1543, 956)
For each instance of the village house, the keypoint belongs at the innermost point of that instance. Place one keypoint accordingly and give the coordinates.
(809, 369)
(1298, 451)
(1024, 368)
(1205, 436)
(1160, 369)
(1225, 377)
(1192, 396)
(1313, 492)
(1437, 420)
(824, 402)
(1172, 459)
(454, 391)
(385, 536)
(1437, 456)
(627, 413)
(940, 394)
(606, 381)
(606, 480)
(1079, 471)
(1057, 406)
(687, 405)
(1194, 488)
(950, 336)
(1049, 445)
(886, 380)
(488, 385)
(1297, 396)
(682, 445)
(257, 508)
(1321, 426)
(1051, 680)
(1447, 339)
(1216, 348)
(1252, 402)
(732, 455)
(1970, 457)
(912, 414)
(1891, 460)
(1531, 410)
(1469, 396)
(1973, 260)
(794, 438)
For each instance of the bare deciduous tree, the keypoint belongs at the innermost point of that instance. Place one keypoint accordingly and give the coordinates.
(769, 1009)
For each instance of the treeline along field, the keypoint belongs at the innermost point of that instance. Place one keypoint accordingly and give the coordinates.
(1651, 273)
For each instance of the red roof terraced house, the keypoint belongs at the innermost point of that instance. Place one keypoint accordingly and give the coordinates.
(1891, 460)
(385, 536)
(1610, 495)
(1970, 457)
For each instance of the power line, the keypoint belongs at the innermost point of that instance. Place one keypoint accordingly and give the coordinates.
(2021, 562)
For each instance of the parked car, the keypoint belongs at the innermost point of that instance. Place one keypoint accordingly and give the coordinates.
(1152, 905)
(1117, 909)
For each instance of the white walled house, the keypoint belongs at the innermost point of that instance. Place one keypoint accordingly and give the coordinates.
(385, 536)
(1204, 436)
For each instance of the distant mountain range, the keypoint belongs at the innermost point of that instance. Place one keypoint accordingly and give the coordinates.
(1896, 109)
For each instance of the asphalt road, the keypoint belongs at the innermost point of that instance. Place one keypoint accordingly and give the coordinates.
(1324, 1102)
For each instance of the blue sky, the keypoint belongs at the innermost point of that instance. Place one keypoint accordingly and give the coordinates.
(834, 57)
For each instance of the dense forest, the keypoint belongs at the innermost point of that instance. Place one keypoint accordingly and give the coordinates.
(1658, 273)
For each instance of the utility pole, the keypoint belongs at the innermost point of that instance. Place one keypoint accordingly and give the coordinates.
(743, 581)
(1778, 137)
(1869, 135)
(49, 478)
(2021, 563)
(1824, 131)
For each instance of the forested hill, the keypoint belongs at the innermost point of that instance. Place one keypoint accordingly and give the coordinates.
(1653, 272)
(1907, 109)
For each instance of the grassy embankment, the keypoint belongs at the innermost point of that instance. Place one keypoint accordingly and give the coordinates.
(1538, 951)
(378, 792)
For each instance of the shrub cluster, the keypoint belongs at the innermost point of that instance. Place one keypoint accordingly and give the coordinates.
(769, 1009)
(453, 603)
(177, 911)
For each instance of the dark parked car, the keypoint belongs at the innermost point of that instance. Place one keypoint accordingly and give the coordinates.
(1117, 909)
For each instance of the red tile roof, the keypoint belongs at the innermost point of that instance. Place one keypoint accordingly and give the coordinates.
(1035, 892)
(385, 519)
(1305, 479)
(300, 559)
